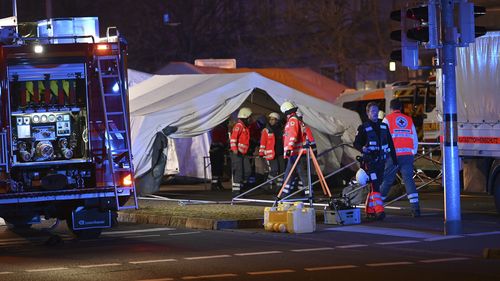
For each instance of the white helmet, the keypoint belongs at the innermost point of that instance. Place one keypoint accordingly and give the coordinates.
(244, 113)
(287, 105)
(362, 177)
(274, 115)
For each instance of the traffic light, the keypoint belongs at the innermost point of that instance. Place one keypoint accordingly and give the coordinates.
(408, 54)
(468, 30)
(419, 27)
(422, 25)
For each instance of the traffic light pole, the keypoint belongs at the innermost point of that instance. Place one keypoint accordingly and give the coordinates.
(453, 220)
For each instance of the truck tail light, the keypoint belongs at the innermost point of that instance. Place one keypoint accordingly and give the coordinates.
(103, 47)
(127, 180)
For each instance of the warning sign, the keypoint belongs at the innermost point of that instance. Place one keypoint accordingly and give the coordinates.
(475, 140)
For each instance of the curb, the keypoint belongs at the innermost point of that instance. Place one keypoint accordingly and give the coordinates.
(188, 222)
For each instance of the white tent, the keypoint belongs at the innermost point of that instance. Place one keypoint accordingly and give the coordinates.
(196, 103)
(183, 145)
(136, 77)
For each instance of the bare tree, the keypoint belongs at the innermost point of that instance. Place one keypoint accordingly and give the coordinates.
(317, 32)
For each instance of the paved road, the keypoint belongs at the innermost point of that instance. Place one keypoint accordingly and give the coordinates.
(398, 248)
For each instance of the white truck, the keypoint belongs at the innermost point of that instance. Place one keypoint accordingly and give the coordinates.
(478, 100)
(478, 108)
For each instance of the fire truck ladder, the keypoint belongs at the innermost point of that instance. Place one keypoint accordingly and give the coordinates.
(116, 125)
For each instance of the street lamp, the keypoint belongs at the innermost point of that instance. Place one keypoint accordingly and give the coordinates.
(392, 66)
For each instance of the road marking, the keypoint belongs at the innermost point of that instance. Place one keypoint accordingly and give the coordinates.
(312, 249)
(382, 231)
(5, 272)
(351, 246)
(483, 233)
(158, 279)
(183, 233)
(152, 261)
(271, 272)
(438, 238)
(444, 260)
(333, 267)
(398, 242)
(46, 269)
(222, 275)
(258, 253)
(143, 236)
(389, 263)
(138, 231)
(99, 265)
(208, 257)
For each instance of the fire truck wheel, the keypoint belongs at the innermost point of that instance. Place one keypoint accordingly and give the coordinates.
(84, 234)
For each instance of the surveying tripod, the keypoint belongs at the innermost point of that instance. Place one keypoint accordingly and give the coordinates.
(307, 150)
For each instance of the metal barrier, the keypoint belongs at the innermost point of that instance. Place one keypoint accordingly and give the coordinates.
(427, 150)
(323, 153)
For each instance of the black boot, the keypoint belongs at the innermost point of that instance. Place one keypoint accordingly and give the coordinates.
(214, 186)
(415, 210)
(380, 216)
(237, 189)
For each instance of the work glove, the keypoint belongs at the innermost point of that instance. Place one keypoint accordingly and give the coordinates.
(288, 153)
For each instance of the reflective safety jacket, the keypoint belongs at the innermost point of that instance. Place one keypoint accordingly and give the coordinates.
(374, 144)
(309, 136)
(267, 144)
(240, 138)
(403, 133)
(294, 137)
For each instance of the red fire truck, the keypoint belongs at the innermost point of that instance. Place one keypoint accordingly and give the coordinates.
(64, 127)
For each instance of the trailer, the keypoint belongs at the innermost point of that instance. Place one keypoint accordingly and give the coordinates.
(478, 113)
(64, 126)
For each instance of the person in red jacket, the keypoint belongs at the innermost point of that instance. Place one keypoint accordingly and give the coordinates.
(240, 146)
(311, 142)
(294, 139)
(405, 138)
(218, 148)
(271, 148)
